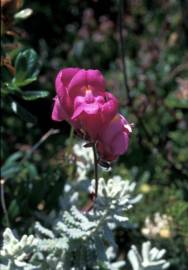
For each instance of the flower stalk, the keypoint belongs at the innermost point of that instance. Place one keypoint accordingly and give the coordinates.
(2, 182)
(95, 169)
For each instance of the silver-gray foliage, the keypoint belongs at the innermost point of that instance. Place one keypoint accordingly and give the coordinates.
(15, 253)
(150, 258)
(79, 239)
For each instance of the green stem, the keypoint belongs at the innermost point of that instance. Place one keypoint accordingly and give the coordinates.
(95, 169)
(42, 140)
(2, 182)
(122, 50)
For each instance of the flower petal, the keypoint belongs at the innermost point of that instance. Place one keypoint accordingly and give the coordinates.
(111, 130)
(110, 107)
(77, 112)
(105, 152)
(57, 113)
(119, 144)
(92, 108)
(86, 79)
(67, 74)
(63, 79)
(95, 79)
(91, 124)
(60, 89)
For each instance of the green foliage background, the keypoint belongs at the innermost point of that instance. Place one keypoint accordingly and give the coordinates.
(86, 34)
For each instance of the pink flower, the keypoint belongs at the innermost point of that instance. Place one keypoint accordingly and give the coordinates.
(114, 139)
(81, 100)
(63, 108)
(94, 112)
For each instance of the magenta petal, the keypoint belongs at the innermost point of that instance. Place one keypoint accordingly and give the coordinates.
(57, 113)
(88, 109)
(91, 108)
(79, 101)
(120, 143)
(77, 112)
(86, 79)
(77, 84)
(60, 89)
(113, 138)
(123, 120)
(105, 152)
(67, 74)
(63, 78)
(100, 99)
(112, 129)
(92, 124)
(110, 108)
(95, 79)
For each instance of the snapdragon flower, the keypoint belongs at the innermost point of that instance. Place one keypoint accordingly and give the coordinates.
(82, 100)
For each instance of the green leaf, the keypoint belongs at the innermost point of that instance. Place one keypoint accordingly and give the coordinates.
(25, 82)
(32, 170)
(11, 166)
(174, 102)
(5, 74)
(32, 95)
(23, 113)
(27, 67)
(12, 87)
(9, 172)
(13, 158)
(13, 208)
